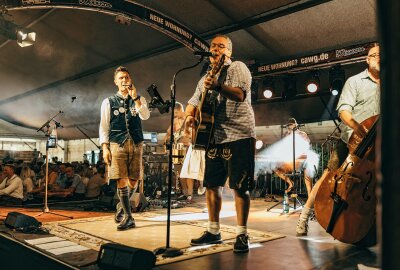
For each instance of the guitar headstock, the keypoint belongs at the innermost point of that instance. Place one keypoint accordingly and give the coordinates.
(217, 67)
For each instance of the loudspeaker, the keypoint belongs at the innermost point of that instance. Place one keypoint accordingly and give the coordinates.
(17, 220)
(138, 202)
(119, 257)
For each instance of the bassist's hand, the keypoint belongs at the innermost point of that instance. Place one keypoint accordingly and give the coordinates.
(360, 131)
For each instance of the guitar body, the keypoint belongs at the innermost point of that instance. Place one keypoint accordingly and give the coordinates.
(204, 121)
(204, 117)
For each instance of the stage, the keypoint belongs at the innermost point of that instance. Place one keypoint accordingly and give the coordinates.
(74, 243)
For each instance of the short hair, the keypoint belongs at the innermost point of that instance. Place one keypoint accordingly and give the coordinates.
(10, 166)
(373, 45)
(228, 39)
(292, 121)
(121, 69)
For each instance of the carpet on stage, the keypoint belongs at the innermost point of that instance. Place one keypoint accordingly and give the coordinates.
(150, 233)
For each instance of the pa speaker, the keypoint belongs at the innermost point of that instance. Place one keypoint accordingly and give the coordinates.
(119, 257)
(17, 220)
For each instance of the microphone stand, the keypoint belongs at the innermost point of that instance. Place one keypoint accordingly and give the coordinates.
(294, 172)
(46, 209)
(169, 251)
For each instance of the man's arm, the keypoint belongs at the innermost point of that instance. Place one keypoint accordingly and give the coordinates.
(189, 117)
(104, 130)
(348, 119)
(232, 93)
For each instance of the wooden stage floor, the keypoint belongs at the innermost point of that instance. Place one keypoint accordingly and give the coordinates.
(316, 251)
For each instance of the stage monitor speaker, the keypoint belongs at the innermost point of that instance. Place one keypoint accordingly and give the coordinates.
(17, 220)
(119, 257)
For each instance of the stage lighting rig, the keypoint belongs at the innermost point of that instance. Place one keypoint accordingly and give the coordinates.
(336, 79)
(24, 36)
(268, 88)
(313, 82)
(289, 87)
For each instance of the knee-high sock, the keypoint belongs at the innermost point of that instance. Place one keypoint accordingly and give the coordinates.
(123, 194)
(119, 204)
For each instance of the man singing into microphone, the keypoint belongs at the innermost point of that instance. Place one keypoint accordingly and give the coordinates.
(121, 138)
(231, 154)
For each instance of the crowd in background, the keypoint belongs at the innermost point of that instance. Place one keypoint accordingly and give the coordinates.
(23, 182)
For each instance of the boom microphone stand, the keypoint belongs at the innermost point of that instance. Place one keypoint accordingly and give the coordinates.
(51, 143)
(169, 251)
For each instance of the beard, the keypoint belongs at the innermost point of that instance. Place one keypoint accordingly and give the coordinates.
(375, 67)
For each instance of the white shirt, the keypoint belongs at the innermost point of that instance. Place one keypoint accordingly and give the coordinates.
(12, 187)
(104, 130)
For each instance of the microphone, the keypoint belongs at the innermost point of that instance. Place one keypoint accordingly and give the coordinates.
(203, 54)
(73, 99)
(58, 124)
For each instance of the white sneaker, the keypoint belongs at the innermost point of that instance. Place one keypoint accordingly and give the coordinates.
(201, 191)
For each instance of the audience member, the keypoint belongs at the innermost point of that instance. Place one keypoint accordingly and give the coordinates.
(11, 189)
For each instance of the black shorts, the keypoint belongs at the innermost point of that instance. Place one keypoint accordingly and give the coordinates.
(338, 155)
(234, 160)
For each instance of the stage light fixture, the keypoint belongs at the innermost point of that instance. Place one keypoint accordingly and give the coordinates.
(289, 87)
(23, 36)
(259, 144)
(313, 82)
(268, 88)
(336, 79)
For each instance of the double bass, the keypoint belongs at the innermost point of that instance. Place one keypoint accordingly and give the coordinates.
(345, 204)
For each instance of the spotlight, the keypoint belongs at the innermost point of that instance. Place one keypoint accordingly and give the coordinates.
(268, 88)
(289, 87)
(336, 79)
(313, 82)
(259, 144)
(23, 36)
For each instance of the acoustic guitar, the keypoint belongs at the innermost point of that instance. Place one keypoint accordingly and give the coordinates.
(204, 117)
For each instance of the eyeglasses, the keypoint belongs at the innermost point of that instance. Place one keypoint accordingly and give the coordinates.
(219, 45)
(374, 55)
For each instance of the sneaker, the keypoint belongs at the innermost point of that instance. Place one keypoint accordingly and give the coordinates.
(189, 199)
(206, 239)
(201, 191)
(242, 243)
(182, 198)
(302, 227)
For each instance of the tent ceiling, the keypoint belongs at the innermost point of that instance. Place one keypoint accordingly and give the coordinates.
(76, 52)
